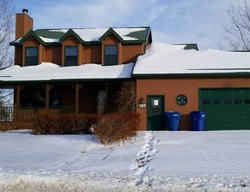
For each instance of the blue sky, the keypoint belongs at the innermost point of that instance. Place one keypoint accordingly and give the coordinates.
(171, 21)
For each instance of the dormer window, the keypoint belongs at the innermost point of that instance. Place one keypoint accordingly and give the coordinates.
(71, 55)
(31, 56)
(111, 55)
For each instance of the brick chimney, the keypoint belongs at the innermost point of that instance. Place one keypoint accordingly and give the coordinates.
(24, 23)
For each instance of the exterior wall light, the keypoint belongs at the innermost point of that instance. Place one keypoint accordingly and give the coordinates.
(141, 103)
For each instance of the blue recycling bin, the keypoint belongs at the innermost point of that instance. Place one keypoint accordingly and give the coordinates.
(172, 120)
(198, 120)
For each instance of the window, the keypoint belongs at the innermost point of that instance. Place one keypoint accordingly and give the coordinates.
(31, 56)
(55, 98)
(71, 58)
(111, 55)
(32, 97)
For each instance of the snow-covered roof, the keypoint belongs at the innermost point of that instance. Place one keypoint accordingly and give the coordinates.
(53, 72)
(88, 35)
(159, 59)
(165, 59)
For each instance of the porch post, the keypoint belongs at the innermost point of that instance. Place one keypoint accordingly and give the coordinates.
(107, 98)
(47, 88)
(17, 102)
(77, 87)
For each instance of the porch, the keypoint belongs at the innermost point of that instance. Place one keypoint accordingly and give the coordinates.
(13, 113)
(62, 98)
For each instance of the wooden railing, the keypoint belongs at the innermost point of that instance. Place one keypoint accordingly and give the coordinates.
(13, 113)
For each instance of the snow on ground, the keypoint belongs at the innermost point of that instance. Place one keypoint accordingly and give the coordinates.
(151, 161)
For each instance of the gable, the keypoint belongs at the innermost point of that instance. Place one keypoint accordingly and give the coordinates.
(89, 35)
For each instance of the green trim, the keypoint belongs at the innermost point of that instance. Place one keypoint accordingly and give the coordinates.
(193, 75)
(142, 36)
(2, 82)
(31, 33)
(110, 30)
(70, 32)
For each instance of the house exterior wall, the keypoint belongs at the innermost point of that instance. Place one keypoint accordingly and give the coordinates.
(112, 40)
(130, 50)
(18, 56)
(173, 87)
(31, 42)
(92, 54)
(53, 54)
(71, 41)
(86, 53)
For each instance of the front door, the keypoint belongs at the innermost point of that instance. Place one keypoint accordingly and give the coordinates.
(155, 112)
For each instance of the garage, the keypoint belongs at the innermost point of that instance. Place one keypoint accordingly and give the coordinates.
(226, 109)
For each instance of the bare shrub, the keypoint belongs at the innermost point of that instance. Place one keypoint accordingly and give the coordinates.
(115, 128)
(126, 97)
(14, 125)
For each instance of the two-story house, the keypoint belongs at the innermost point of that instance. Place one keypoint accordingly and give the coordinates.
(71, 70)
(81, 71)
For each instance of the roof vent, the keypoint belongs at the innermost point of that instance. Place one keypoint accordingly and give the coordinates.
(25, 11)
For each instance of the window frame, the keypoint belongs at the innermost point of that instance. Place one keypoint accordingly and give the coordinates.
(29, 59)
(72, 57)
(112, 57)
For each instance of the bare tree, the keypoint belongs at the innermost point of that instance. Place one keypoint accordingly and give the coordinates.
(237, 31)
(6, 32)
(7, 21)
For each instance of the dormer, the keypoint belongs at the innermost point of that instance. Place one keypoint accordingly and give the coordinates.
(32, 49)
(71, 48)
(111, 48)
(120, 45)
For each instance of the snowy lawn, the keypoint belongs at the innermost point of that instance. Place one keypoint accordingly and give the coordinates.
(151, 161)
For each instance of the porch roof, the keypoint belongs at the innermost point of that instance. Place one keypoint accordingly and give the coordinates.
(50, 72)
(164, 60)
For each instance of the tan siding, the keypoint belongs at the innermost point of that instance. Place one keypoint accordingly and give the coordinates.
(131, 52)
(70, 41)
(171, 88)
(18, 56)
(31, 42)
(92, 54)
(53, 54)
(111, 40)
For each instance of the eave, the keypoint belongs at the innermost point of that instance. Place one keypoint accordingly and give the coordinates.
(193, 75)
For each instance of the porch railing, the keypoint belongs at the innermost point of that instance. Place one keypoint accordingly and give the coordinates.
(13, 113)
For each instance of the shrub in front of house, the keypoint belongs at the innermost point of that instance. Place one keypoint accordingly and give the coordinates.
(115, 128)
(14, 125)
(109, 128)
(62, 124)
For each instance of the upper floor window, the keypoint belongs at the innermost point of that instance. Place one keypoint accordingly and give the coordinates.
(111, 55)
(71, 53)
(31, 56)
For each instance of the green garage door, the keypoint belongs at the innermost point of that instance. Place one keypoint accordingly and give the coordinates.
(226, 109)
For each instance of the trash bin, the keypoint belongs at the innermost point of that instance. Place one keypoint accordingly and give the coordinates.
(198, 120)
(172, 120)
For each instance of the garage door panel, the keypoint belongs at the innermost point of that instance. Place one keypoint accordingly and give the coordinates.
(226, 109)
